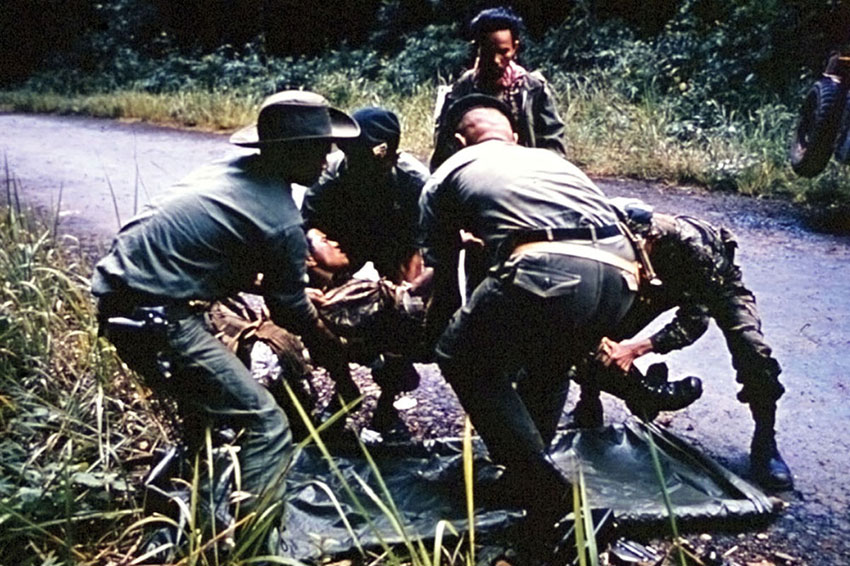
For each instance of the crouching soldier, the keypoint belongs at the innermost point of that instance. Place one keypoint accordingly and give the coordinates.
(224, 224)
(695, 265)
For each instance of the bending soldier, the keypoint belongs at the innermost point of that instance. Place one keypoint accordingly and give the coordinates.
(560, 276)
(695, 263)
(367, 200)
(226, 223)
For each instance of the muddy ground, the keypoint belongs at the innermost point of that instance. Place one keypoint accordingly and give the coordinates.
(801, 279)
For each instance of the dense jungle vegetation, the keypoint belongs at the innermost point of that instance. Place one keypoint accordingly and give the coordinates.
(689, 91)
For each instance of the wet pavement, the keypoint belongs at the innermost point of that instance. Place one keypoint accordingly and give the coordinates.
(801, 280)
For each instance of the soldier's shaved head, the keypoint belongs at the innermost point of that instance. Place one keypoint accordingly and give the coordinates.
(482, 124)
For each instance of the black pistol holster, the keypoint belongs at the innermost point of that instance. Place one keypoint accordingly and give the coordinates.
(145, 331)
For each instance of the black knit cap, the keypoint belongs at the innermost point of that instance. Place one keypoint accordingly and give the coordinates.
(495, 19)
(377, 126)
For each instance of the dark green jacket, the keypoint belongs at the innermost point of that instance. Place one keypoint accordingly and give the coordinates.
(532, 104)
(374, 218)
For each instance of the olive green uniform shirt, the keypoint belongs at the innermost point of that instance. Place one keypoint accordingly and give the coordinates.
(222, 225)
(532, 105)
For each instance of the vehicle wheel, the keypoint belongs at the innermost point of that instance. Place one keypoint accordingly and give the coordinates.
(842, 146)
(814, 138)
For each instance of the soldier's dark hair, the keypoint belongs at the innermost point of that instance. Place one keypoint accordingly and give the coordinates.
(494, 19)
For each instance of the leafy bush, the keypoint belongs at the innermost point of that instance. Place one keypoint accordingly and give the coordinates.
(694, 84)
(435, 54)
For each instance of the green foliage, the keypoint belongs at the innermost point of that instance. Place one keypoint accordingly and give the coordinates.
(434, 54)
(63, 430)
(708, 93)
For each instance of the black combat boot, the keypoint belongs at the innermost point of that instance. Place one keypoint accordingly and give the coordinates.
(767, 467)
(547, 536)
(386, 419)
(393, 374)
(652, 393)
(646, 396)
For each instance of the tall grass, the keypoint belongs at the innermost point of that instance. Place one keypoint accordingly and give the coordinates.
(71, 421)
(78, 434)
(193, 108)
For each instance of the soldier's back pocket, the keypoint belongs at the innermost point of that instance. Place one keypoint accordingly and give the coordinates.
(544, 280)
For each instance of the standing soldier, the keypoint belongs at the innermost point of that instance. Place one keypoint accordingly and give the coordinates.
(224, 224)
(496, 34)
(695, 263)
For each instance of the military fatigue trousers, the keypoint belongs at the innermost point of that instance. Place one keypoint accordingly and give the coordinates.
(186, 362)
(527, 322)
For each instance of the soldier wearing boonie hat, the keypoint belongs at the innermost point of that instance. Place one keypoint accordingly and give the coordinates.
(224, 224)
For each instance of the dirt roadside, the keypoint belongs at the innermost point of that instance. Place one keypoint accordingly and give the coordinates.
(800, 279)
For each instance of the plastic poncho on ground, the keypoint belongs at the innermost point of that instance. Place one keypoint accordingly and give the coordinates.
(426, 485)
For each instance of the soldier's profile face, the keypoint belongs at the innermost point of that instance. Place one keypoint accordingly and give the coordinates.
(496, 50)
(302, 161)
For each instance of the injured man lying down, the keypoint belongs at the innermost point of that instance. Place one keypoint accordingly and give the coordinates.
(382, 325)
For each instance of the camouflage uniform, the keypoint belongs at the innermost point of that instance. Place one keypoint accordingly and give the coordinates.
(696, 264)
(375, 318)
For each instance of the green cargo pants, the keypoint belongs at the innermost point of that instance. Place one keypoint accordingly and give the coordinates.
(181, 359)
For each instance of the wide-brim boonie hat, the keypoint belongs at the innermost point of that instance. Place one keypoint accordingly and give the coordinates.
(462, 105)
(296, 115)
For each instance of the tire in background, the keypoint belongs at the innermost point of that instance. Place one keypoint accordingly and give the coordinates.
(842, 146)
(814, 138)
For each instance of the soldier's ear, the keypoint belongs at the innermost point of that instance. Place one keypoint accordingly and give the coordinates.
(516, 137)
(461, 140)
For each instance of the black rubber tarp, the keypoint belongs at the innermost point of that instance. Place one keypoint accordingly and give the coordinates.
(426, 487)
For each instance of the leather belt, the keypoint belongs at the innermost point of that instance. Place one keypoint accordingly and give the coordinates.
(591, 233)
(581, 251)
